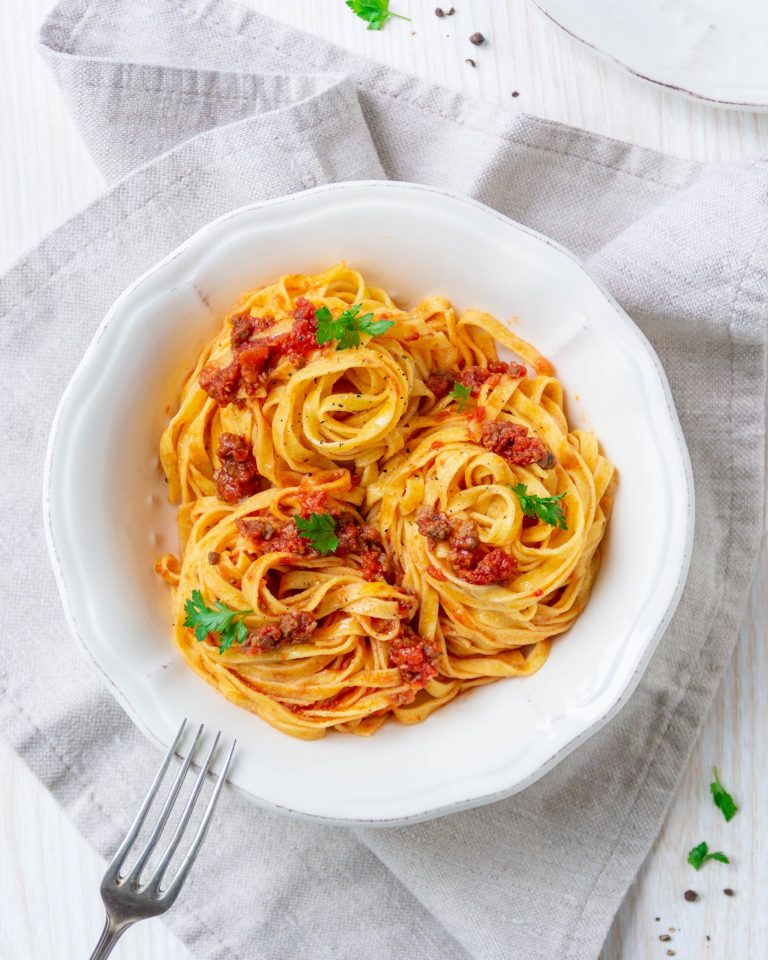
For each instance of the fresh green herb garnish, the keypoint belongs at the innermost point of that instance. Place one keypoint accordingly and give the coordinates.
(722, 798)
(547, 509)
(699, 856)
(219, 619)
(348, 326)
(375, 12)
(319, 531)
(461, 394)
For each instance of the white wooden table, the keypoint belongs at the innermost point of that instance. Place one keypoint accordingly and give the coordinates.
(45, 176)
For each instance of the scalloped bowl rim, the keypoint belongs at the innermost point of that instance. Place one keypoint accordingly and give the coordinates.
(500, 780)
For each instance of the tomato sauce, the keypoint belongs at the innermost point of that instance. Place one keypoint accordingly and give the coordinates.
(415, 658)
(237, 477)
(255, 355)
(515, 444)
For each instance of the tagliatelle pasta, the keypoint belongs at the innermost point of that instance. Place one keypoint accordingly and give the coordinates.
(375, 512)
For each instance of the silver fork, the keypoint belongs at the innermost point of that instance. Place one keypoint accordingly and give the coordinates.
(126, 898)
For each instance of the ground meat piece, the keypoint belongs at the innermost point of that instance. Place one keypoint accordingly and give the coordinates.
(465, 546)
(354, 537)
(440, 384)
(257, 356)
(265, 638)
(214, 557)
(256, 528)
(242, 330)
(415, 658)
(474, 377)
(433, 524)
(288, 540)
(253, 357)
(221, 383)
(370, 536)
(495, 567)
(249, 359)
(468, 556)
(244, 326)
(264, 537)
(497, 436)
(234, 447)
(297, 627)
(377, 565)
(512, 369)
(348, 532)
(515, 444)
(237, 477)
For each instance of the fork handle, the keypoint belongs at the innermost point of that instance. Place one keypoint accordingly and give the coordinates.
(109, 937)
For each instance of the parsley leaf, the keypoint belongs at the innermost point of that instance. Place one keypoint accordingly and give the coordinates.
(348, 326)
(319, 531)
(219, 618)
(327, 328)
(546, 509)
(461, 394)
(375, 12)
(699, 856)
(723, 800)
(376, 328)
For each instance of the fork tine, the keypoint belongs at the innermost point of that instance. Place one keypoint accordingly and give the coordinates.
(167, 807)
(178, 881)
(133, 830)
(156, 879)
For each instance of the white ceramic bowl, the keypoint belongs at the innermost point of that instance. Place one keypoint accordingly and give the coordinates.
(107, 515)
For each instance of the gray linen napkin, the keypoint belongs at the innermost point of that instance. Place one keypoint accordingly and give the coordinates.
(202, 106)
